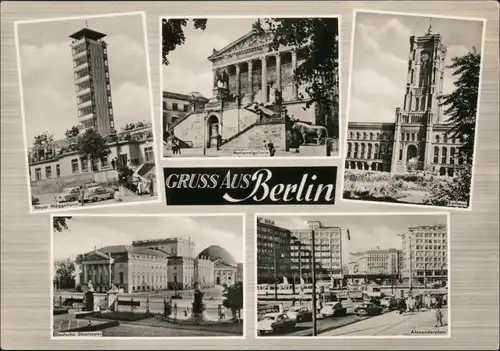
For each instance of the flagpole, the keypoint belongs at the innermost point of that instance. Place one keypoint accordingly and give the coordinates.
(275, 274)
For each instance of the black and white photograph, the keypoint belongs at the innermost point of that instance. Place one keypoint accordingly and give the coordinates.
(250, 87)
(181, 277)
(413, 109)
(353, 275)
(87, 111)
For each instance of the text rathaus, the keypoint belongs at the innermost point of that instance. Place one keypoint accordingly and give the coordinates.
(420, 133)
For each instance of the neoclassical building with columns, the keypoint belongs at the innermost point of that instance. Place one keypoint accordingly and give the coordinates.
(249, 82)
(420, 134)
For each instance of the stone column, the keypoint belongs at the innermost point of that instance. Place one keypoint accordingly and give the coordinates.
(110, 277)
(214, 71)
(278, 71)
(263, 89)
(237, 79)
(294, 67)
(250, 81)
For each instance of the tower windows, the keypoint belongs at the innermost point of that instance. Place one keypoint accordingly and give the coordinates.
(437, 139)
(417, 102)
(412, 73)
(400, 155)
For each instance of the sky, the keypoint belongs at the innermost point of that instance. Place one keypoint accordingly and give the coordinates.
(380, 59)
(367, 231)
(189, 69)
(47, 72)
(86, 233)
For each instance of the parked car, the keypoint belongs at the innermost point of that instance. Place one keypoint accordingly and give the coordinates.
(368, 309)
(97, 193)
(69, 195)
(35, 200)
(299, 314)
(274, 322)
(389, 302)
(333, 309)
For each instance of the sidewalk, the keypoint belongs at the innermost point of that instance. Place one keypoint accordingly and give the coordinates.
(392, 323)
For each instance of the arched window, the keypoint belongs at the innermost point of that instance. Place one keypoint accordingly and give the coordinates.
(382, 151)
(358, 136)
(351, 135)
(452, 156)
(429, 102)
(355, 150)
(411, 96)
(422, 104)
(411, 74)
(369, 155)
(400, 155)
(375, 154)
(412, 136)
(364, 136)
(121, 277)
(349, 149)
(417, 103)
(443, 157)
(378, 136)
(437, 139)
(371, 136)
(436, 154)
(408, 136)
(362, 150)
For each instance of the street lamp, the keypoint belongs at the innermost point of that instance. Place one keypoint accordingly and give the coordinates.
(313, 253)
(205, 126)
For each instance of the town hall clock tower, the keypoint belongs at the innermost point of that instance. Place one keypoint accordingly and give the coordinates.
(421, 109)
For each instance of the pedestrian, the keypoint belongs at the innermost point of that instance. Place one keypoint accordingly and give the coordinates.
(433, 301)
(82, 195)
(219, 141)
(175, 310)
(439, 317)
(151, 186)
(139, 188)
(271, 149)
(113, 163)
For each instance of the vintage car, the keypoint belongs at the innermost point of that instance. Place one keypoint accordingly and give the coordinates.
(274, 322)
(333, 309)
(97, 193)
(368, 309)
(68, 195)
(389, 302)
(299, 314)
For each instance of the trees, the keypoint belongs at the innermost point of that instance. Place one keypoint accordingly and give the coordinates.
(43, 139)
(92, 145)
(172, 34)
(59, 223)
(318, 37)
(64, 272)
(461, 104)
(461, 107)
(234, 299)
(72, 132)
(42, 144)
(456, 189)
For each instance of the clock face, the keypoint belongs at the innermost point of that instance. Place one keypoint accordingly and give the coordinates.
(424, 57)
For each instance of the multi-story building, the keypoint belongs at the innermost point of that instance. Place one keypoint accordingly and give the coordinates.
(375, 264)
(128, 267)
(180, 247)
(246, 74)
(273, 252)
(92, 82)
(328, 250)
(60, 164)
(301, 262)
(177, 106)
(425, 254)
(420, 135)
